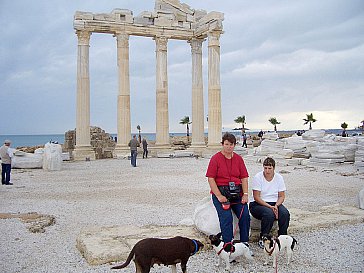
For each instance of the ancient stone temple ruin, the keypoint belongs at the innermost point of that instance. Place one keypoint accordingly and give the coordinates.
(102, 143)
(169, 20)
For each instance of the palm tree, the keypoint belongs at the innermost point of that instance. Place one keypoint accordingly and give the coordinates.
(186, 120)
(274, 122)
(309, 120)
(241, 119)
(139, 136)
(344, 125)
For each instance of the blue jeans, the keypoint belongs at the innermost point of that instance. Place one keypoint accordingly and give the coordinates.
(133, 158)
(267, 217)
(226, 220)
(5, 173)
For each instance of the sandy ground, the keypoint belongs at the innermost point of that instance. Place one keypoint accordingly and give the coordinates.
(163, 192)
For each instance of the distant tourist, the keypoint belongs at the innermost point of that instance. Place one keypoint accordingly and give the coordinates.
(133, 144)
(244, 140)
(6, 154)
(260, 134)
(344, 133)
(145, 147)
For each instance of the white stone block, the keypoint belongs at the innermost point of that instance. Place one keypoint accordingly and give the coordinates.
(66, 157)
(80, 15)
(122, 11)
(206, 219)
(52, 158)
(163, 22)
(211, 16)
(27, 161)
(313, 134)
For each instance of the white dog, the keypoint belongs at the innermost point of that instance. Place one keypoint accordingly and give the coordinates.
(229, 253)
(272, 247)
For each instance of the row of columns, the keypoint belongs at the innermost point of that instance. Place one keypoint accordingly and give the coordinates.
(83, 147)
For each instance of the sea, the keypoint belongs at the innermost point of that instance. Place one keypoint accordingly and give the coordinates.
(39, 140)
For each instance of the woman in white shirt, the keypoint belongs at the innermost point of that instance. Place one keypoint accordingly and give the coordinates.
(269, 193)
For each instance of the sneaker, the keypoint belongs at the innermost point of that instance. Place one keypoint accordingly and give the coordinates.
(261, 244)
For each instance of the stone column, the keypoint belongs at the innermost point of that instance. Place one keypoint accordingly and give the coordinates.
(162, 122)
(83, 147)
(214, 92)
(198, 137)
(123, 113)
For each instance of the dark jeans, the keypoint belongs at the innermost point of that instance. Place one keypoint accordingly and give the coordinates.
(267, 217)
(133, 157)
(145, 153)
(5, 173)
(226, 220)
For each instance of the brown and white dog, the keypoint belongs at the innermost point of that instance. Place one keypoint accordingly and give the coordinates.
(229, 252)
(150, 251)
(272, 247)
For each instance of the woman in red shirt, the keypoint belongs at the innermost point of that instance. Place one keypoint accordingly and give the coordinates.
(228, 179)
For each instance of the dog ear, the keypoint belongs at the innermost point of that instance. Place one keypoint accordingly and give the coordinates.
(271, 242)
(218, 235)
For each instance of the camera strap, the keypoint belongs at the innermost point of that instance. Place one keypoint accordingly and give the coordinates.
(231, 166)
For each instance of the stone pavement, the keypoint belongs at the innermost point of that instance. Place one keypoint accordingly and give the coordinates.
(100, 245)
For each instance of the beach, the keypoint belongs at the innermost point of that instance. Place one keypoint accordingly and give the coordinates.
(165, 192)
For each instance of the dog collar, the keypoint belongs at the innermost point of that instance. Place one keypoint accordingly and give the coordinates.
(196, 247)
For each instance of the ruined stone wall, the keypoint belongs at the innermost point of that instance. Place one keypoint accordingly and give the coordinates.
(102, 143)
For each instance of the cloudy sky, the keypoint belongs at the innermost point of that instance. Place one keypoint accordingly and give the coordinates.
(279, 58)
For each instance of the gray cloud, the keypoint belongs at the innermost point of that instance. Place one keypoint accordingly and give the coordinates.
(278, 58)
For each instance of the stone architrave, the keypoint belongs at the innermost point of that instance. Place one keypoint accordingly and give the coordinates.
(198, 138)
(162, 120)
(123, 120)
(214, 92)
(83, 147)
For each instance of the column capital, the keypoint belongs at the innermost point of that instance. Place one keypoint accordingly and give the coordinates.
(161, 43)
(122, 39)
(214, 38)
(196, 45)
(83, 37)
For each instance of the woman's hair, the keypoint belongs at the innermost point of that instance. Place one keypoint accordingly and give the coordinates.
(269, 162)
(229, 137)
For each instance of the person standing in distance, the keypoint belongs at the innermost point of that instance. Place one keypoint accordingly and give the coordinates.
(6, 154)
(133, 144)
(145, 147)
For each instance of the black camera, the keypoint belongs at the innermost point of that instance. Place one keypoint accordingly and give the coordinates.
(234, 190)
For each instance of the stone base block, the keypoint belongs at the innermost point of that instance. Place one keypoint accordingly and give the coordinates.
(101, 245)
(83, 153)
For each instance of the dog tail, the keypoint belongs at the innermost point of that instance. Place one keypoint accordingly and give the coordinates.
(127, 262)
(294, 242)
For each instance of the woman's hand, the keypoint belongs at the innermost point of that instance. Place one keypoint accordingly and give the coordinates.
(275, 211)
(244, 199)
(221, 198)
